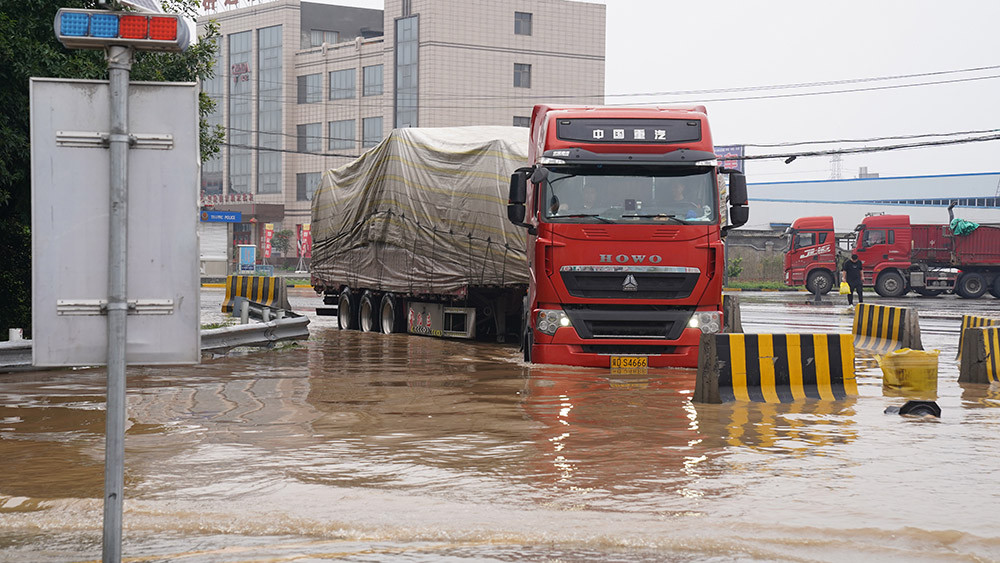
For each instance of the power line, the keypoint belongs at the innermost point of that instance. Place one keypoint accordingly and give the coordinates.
(859, 150)
(869, 140)
(249, 96)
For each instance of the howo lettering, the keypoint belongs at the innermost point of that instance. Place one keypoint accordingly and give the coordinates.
(625, 226)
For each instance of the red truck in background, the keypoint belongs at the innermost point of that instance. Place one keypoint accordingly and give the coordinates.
(898, 257)
(625, 231)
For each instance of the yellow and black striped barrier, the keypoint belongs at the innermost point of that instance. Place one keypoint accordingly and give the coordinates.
(980, 355)
(882, 329)
(775, 368)
(972, 321)
(267, 291)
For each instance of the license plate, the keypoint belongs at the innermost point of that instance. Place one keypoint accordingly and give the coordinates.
(629, 362)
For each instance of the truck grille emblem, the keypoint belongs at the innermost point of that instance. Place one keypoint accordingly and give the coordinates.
(630, 284)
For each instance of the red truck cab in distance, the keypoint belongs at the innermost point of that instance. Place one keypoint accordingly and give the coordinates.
(811, 257)
(625, 235)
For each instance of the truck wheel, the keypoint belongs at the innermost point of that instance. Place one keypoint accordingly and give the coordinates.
(347, 310)
(368, 313)
(820, 281)
(890, 284)
(923, 291)
(995, 288)
(391, 316)
(970, 285)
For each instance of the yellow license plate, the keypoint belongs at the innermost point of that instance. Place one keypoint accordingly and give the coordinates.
(629, 362)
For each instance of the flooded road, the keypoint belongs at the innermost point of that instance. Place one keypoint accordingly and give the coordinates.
(370, 447)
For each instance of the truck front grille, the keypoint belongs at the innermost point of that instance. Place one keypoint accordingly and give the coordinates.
(629, 321)
(629, 285)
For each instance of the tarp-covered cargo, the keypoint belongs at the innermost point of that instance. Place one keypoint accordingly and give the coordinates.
(424, 212)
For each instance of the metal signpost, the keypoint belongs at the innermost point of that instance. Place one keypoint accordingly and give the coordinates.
(64, 314)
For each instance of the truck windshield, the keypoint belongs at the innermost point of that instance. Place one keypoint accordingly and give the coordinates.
(630, 195)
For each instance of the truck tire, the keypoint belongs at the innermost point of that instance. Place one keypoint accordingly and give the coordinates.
(347, 310)
(890, 284)
(391, 314)
(970, 285)
(369, 313)
(819, 281)
(995, 288)
(924, 292)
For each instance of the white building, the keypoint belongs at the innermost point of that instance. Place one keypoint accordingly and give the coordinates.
(774, 205)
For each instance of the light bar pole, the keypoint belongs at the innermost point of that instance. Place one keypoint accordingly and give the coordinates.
(119, 70)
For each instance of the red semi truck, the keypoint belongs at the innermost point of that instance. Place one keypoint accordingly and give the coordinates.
(625, 229)
(898, 257)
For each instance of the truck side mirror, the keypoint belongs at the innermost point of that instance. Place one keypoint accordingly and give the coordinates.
(517, 196)
(737, 189)
(739, 213)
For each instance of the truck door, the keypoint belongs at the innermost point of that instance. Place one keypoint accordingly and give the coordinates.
(873, 250)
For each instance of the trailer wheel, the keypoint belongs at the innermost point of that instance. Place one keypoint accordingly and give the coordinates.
(347, 310)
(923, 291)
(368, 313)
(970, 285)
(819, 281)
(890, 284)
(391, 314)
(995, 288)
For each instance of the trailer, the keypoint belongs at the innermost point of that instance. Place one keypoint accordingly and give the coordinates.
(413, 235)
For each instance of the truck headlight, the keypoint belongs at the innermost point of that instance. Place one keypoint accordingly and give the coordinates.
(709, 322)
(548, 320)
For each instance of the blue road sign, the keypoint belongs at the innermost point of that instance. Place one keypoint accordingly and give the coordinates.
(221, 217)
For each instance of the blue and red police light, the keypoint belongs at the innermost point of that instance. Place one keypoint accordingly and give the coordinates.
(98, 29)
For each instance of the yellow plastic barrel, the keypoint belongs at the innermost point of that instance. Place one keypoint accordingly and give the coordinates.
(910, 373)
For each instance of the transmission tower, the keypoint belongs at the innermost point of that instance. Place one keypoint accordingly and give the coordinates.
(836, 167)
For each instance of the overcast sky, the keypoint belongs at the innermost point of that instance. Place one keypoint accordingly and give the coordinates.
(664, 46)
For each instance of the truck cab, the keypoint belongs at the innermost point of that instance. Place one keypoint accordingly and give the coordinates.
(883, 246)
(625, 227)
(811, 258)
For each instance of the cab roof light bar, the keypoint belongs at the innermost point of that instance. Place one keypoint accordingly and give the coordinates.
(98, 29)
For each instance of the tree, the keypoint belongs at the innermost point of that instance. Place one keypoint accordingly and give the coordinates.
(28, 48)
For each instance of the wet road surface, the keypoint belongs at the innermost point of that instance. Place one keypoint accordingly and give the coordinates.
(370, 447)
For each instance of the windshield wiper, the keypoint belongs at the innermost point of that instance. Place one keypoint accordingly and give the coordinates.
(655, 216)
(580, 215)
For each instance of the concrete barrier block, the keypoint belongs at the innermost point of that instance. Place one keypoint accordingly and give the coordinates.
(972, 321)
(883, 328)
(774, 368)
(980, 355)
(267, 291)
(732, 320)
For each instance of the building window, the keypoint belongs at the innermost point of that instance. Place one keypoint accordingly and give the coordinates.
(342, 134)
(371, 131)
(407, 35)
(522, 76)
(269, 102)
(306, 184)
(342, 84)
(310, 137)
(240, 112)
(318, 36)
(522, 23)
(372, 80)
(521, 121)
(310, 89)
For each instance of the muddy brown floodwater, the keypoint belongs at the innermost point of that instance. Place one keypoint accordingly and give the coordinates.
(370, 447)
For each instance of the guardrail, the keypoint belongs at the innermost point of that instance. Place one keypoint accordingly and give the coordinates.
(16, 355)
